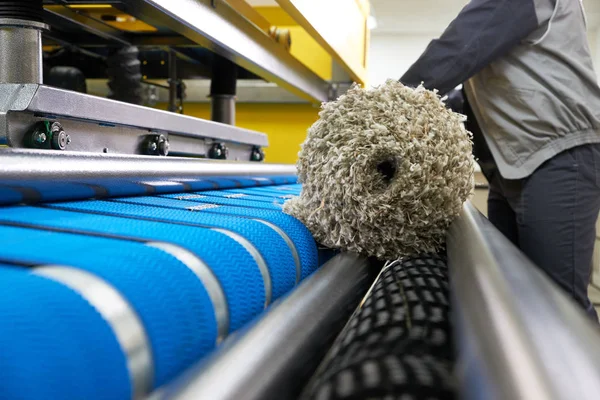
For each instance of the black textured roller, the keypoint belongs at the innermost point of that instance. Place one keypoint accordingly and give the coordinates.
(30, 10)
(397, 345)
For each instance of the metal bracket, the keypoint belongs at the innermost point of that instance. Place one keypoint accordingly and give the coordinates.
(218, 151)
(156, 145)
(100, 124)
(257, 154)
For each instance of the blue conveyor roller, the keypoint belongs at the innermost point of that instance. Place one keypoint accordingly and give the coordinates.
(173, 262)
(294, 229)
(170, 300)
(55, 345)
(274, 254)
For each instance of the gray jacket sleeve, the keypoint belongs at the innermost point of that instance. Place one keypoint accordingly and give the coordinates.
(483, 31)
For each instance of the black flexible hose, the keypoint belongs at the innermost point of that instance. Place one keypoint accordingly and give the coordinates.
(30, 10)
(65, 77)
(125, 75)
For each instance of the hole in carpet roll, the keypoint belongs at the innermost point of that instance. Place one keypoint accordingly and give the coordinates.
(387, 169)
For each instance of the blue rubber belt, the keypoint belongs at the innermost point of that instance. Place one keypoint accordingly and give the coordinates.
(238, 194)
(282, 258)
(297, 232)
(224, 200)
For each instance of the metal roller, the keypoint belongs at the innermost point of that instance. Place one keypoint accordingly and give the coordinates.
(36, 176)
(123, 320)
(23, 165)
(273, 244)
(517, 335)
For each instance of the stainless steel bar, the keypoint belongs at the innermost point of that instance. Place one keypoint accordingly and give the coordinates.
(519, 336)
(25, 165)
(270, 358)
(48, 101)
(230, 35)
(56, 102)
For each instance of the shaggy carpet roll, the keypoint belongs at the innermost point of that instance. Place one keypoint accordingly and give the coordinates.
(384, 172)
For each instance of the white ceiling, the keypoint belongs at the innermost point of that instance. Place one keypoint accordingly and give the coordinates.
(432, 16)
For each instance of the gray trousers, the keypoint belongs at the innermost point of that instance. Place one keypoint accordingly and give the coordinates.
(551, 216)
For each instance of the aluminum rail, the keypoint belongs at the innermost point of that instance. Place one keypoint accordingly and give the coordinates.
(17, 165)
(218, 27)
(273, 356)
(518, 335)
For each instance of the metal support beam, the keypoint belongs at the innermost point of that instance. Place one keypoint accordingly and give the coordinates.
(47, 101)
(518, 335)
(230, 35)
(272, 358)
(70, 18)
(345, 37)
(153, 40)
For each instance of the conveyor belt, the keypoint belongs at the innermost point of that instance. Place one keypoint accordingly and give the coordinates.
(187, 269)
(152, 262)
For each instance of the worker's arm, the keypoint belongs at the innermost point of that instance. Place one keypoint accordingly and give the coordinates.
(483, 31)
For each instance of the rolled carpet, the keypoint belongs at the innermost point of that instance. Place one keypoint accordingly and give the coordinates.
(385, 171)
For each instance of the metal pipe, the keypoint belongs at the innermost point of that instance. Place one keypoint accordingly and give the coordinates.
(38, 165)
(222, 108)
(273, 357)
(518, 335)
(21, 51)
